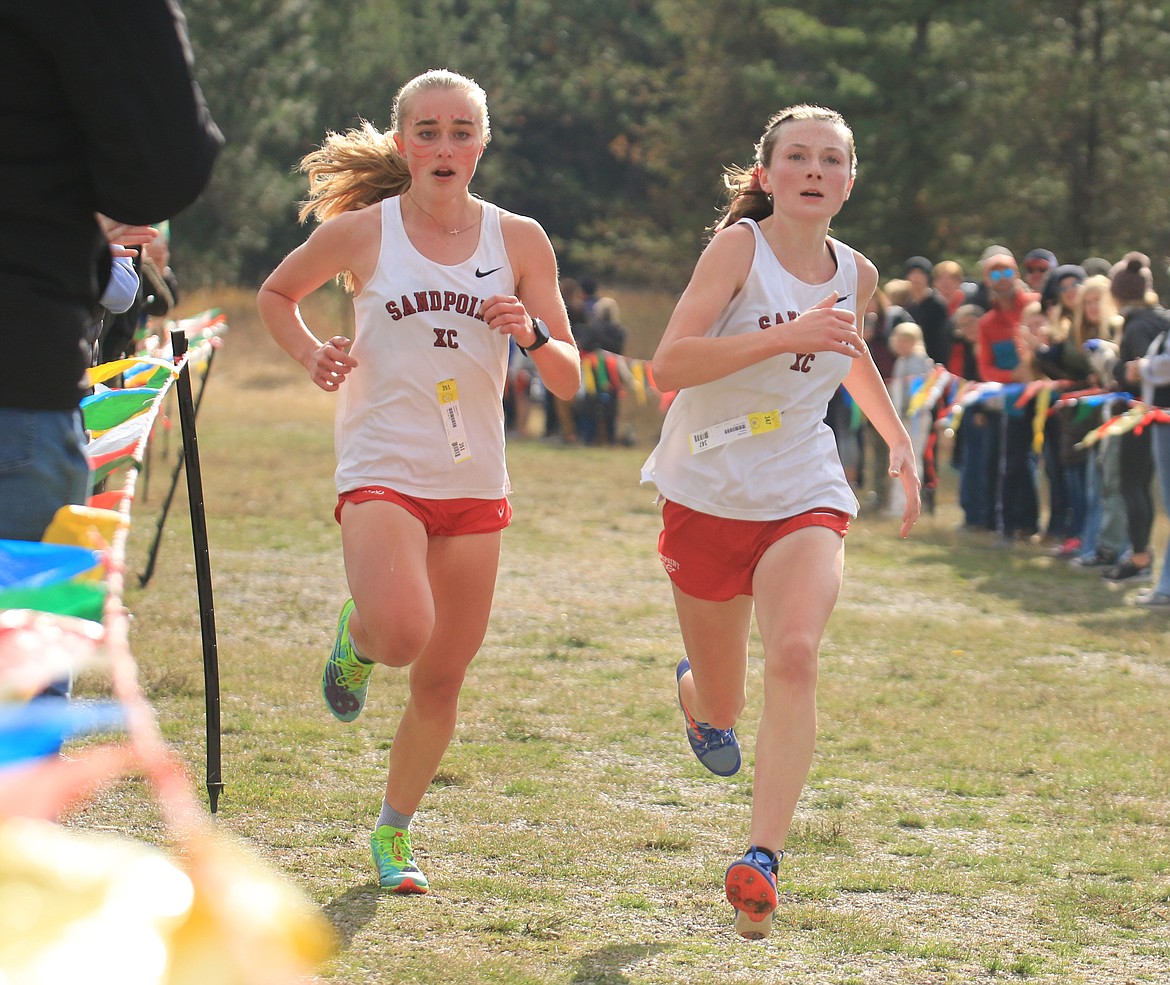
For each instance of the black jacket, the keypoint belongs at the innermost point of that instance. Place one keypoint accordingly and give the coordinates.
(1138, 331)
(98, 113)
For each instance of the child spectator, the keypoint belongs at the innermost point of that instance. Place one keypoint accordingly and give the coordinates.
(912, 366)
(965, 332)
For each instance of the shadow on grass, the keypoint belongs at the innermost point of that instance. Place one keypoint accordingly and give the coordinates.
(352, 910)
(1024, 574)
(606, 966)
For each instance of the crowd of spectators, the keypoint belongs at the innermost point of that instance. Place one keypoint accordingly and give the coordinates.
(607, 378)
(1042, 387)
(1046, 387)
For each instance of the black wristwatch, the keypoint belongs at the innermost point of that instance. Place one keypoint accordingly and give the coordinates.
(540, 330)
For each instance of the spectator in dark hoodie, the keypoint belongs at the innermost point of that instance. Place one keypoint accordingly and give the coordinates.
(928, 309)
(1144, 320)
(100, 115)
(1151, 372)
(1061, 358)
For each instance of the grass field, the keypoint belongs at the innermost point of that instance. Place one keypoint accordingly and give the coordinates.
(989, 802)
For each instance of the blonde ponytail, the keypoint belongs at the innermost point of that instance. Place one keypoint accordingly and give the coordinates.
(352, 170)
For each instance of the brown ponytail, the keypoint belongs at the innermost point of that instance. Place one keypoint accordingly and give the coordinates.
(745, 197)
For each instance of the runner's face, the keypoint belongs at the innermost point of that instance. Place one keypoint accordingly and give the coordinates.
(811, 170)
(441, 136)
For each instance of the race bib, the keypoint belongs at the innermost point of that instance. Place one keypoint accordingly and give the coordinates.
(747, 426)
(448, 394)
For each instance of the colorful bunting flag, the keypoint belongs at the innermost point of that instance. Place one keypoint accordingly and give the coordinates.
(638, 375)
(37, 648)
(98, 906)
(27, 565)
(84, 599)
(84, 526)
(588, 379)
(118, 447)
(106, 408)
(39, 728)
(134, 366)
(42, 788)
(111, 499)
(91, 903)
(1040, 418)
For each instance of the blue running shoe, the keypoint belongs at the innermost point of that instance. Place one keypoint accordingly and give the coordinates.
(716, 748)
(750, 886)
(394, 860)
(345, 679)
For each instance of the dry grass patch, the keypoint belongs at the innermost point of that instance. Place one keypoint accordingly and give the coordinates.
(987, 804)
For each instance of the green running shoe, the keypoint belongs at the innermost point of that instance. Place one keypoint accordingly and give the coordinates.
(345, 679)
(394, 861)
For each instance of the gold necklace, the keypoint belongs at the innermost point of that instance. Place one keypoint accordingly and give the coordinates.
(449, 232)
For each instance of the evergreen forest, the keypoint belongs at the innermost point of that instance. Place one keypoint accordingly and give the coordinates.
(1040, 123)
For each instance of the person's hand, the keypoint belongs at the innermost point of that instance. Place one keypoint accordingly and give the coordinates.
(125, 235)
(904, 468)
(1031, 339)
(506, 314)
(330, 363)
(824, 328)
(1133, 371)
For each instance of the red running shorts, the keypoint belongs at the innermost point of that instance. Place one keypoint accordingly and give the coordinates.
(714, 558)
(439, 517)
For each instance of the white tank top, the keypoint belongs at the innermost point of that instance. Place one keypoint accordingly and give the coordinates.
(423, 411)
(721, 452)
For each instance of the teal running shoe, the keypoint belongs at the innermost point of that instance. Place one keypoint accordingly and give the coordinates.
(345, 679)
(394, 860)
(750, 886)
(716, 748)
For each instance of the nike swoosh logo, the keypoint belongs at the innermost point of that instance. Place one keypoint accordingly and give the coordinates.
(844, 297)
(485, 273)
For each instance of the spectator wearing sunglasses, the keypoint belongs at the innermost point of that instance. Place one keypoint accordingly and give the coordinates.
(981, 295)
(997, 350)
(1017, 506)
(1038, 266)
